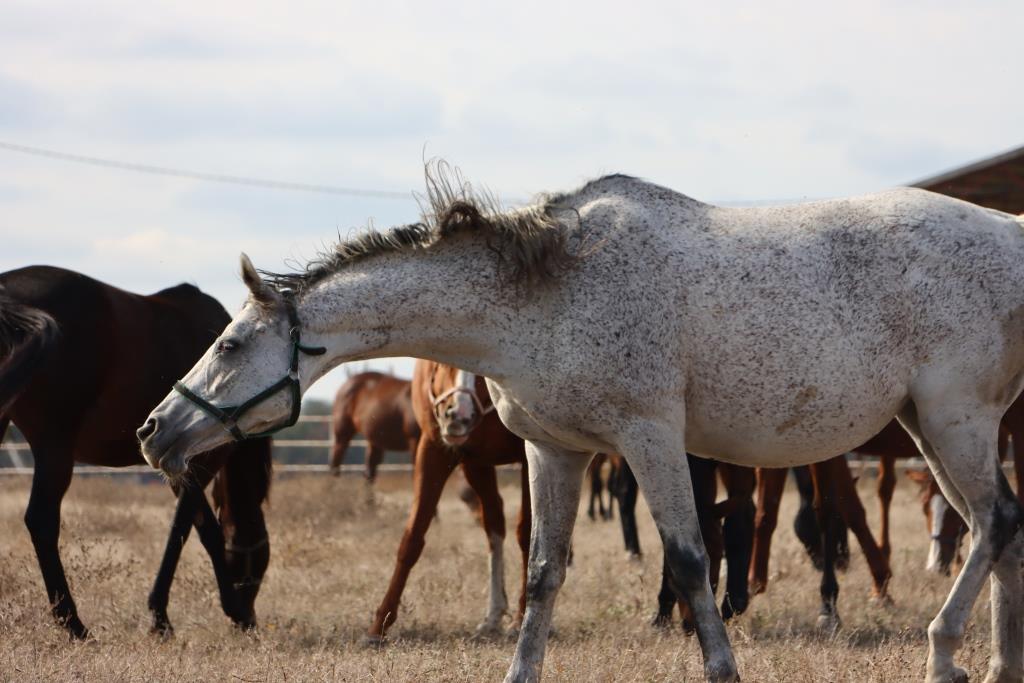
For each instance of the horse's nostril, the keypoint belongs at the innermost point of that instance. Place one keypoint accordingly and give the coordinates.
(147, 429)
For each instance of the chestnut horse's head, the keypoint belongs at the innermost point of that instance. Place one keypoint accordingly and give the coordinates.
(246, 385)
(457, 402)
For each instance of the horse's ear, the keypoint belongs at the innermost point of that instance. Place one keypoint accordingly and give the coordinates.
(260, 290)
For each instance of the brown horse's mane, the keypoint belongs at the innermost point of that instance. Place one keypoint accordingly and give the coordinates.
(531, 243)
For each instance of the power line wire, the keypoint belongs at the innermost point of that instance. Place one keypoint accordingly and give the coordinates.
(208, 177)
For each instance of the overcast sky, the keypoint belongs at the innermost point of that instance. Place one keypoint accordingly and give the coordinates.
(725, 102)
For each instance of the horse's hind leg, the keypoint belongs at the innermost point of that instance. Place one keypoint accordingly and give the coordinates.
(344, 430)
(656, 453)
(556, 480)
(484, 481)
(52, 476)
(374, 455)
(960, 444)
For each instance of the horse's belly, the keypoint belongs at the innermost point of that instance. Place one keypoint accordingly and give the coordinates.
(806, 423)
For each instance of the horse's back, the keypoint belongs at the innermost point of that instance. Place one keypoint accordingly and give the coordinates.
(118, 353)
(790, 333)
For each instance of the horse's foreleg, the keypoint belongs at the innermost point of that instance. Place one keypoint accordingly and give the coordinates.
(738, 534)
(656, 454)
(50, 481)
(374, 455)
(886, 485)
(181, 527)
(962, 454)
(484, 482)
(211, 535)
(431, 472)
(556, 480)
(770, 484)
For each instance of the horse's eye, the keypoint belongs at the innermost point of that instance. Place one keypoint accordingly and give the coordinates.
(226, 345)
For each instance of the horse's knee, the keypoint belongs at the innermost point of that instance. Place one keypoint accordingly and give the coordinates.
(945, 636)
(688, 568)
(543, 580)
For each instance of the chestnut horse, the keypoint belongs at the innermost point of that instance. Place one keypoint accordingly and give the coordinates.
(458, 428)
(379, 407)
(81, 363)
(598, 486)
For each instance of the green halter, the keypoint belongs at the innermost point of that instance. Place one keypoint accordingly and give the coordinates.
(228, 415)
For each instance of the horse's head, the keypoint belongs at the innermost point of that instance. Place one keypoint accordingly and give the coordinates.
(247, 384)
(456, 399)
(945, 526)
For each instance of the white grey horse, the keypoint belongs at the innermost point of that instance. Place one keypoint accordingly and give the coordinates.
(624, 317)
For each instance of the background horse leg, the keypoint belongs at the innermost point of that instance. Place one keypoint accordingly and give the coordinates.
(484, 481)
(431, 473)
(181, 527)
(52, 476)
(705, 491)
(374, 454)
(555, 485)
(885, 486)
(848, 502)
(627, 490)
(344, 431)
(523, 537)
(770, 484)
(594, 475)
(738, 534)
(824, 506)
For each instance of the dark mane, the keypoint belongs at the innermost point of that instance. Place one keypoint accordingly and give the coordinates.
(530, 243)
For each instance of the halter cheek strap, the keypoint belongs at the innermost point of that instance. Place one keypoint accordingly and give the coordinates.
(228, 416)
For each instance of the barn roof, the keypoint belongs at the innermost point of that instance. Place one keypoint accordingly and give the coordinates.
(996, 182)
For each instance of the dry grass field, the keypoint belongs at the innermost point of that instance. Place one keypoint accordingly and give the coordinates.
(332, 554)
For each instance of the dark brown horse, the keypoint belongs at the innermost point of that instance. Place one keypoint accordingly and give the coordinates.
(379, 407)
(81, 364)
(458, 429)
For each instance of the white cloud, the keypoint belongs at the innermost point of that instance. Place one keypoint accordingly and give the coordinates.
(728, 101)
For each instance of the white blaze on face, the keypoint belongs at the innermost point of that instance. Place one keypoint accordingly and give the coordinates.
(938, 507)
(464, 407)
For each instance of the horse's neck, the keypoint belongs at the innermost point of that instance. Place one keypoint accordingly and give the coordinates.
(446, 306)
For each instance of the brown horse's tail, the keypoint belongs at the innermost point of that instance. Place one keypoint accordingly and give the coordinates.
(26, 336)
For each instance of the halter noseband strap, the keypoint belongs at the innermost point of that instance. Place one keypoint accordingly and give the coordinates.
(437, 402)
(228, 416)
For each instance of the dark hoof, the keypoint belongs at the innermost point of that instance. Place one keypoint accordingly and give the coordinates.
(75, 628)
(161, 626)
(373, 642)
(662, 621)
(246, 623)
